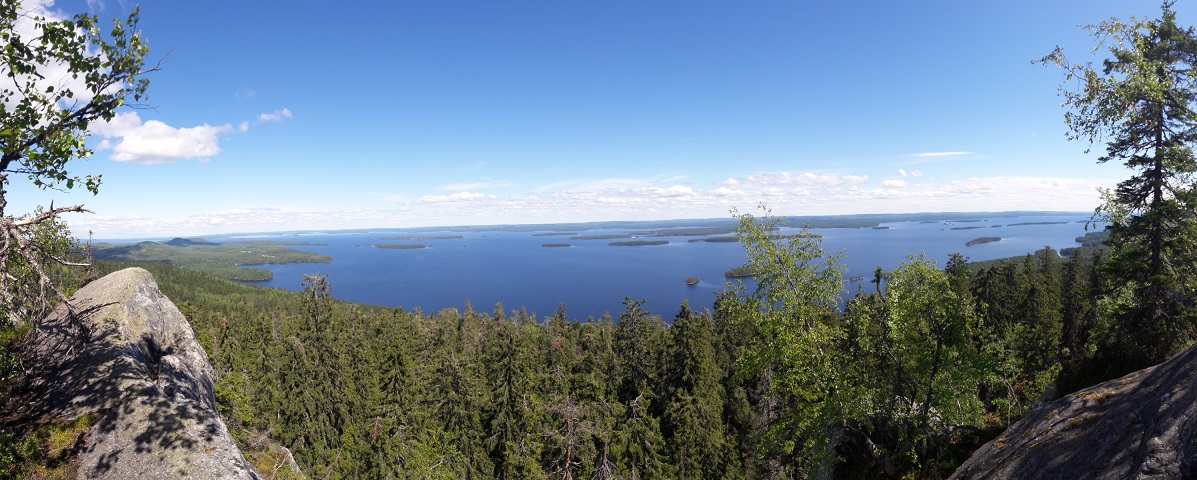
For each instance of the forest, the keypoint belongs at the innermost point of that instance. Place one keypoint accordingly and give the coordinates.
(920, 367)
(905, 379)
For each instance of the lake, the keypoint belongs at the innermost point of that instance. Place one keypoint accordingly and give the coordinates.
(590, 277)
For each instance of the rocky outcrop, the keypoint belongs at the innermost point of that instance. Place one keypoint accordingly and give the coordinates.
(1139, 426)
(124, 354)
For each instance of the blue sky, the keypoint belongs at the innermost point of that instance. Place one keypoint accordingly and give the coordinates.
(275, 116)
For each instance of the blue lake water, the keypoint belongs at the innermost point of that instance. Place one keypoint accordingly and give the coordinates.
(591, 277)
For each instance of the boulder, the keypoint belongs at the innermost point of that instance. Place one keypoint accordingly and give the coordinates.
(1138, 426)
(123, 353)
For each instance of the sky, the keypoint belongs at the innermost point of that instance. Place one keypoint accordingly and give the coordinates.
(274, 116)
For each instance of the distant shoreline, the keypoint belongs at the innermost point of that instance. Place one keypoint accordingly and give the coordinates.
(658, 227)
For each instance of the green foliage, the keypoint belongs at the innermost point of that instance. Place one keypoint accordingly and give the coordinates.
(45, 125)
(780, 382)
(45, 451)
(46, 121)
(224, 260)
(794, 312)
(1140, 102)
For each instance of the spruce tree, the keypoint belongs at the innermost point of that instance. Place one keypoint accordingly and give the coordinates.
(1140, 102)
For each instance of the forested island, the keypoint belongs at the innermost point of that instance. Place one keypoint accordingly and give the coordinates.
(744, 271)
(721, 239)
(980, 240)
(601, 237)
(1036, 223)
(401, 246)
(638, 243)
(421, 238)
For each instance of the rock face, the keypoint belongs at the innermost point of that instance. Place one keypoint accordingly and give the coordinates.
(1143, 426)
(128, 356)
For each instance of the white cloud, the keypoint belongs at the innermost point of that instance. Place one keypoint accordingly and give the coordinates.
(792, 178)
(902, 172)
(275, 116)
(244, 127)
(476, 185)
(640, 199)
(940, 154)
(56, 74)
(154, 142)
(728, 192)
(674, 191)
(455, 197)
(916, 173)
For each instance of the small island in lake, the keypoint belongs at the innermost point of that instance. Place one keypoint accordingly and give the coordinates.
(600, 237)
(978, 241)
(400, 246)
(425, 237)
(691, 280)
(741, 272)
(1036, 223)
(638, 243)
(556, 245)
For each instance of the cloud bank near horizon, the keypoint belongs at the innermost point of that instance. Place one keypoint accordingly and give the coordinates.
(786, 192)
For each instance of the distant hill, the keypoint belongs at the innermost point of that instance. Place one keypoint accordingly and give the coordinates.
(187, 242)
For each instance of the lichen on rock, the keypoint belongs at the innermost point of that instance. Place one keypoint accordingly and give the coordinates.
(123, 353)
(1138, 426)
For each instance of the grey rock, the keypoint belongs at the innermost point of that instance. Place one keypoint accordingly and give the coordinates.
(125, 354)
(1141, 426)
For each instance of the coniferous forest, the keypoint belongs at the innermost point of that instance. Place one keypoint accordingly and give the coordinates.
(787, 381)
(791, 379)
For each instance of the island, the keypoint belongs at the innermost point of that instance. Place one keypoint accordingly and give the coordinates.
(723, 239)
(556, 245)
(685, 231)
(600, 237)
(638, 243)
(978, 241)
(424, 238)
(401, 246)
(741, 272)
(691, 280)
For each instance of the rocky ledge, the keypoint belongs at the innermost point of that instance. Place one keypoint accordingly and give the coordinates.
(1139, 426)
(124, 354)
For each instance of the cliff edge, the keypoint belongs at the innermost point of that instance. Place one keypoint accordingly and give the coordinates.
(1138, 426)
(126, 355)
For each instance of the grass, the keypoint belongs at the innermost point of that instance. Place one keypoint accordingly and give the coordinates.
(47, 452)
